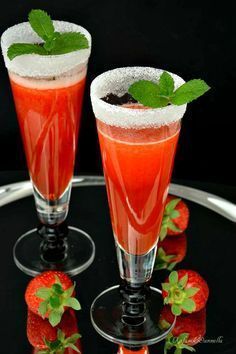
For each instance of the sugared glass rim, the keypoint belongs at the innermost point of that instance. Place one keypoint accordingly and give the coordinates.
(117, 81)
(34, 65)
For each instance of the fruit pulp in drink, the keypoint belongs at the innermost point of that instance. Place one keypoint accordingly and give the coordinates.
(49, 115)
(137, 167)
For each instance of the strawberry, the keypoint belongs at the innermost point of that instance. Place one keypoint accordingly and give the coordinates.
(49, 340)
(186, 291)
(171, 251)
(188, 330)
(49, 294)
(176, 217)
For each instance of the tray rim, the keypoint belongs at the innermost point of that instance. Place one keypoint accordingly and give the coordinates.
(15, 191)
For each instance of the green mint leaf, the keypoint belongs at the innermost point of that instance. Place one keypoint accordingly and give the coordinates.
(188, 305)
(147, 93)
(41, 23)
(69, 42)
(166, 84)
(191, 291)
(176, 309)
(43, 293)
(43, 308)
(189, 91)
(17, 49)
(173, 278)
(73, 303)
(55, 318)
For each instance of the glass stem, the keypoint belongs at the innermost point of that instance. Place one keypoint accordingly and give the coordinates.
(54, 245)
(136, 270)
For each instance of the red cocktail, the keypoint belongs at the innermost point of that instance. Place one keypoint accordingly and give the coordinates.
(48, 93)
(137, 167)
(49, 117)
(138, 146)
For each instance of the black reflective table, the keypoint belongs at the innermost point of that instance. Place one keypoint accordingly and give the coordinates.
(211, 250)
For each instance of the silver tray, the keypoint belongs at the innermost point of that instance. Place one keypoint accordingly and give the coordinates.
(15, 191)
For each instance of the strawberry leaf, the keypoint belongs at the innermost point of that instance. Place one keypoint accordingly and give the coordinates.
(73, 303)
(188, 305)
(171, 205)
(55, 318)
(191, 291)
(43, 308)
(43, 293)
(183, 281)
(173, 278)
(176, 309)
(166, 286)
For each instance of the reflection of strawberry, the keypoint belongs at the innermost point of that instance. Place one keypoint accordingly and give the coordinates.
(49, 294)
(171, 251)
(186, 291)
(50, 340)
(175, 218)
(187, 332)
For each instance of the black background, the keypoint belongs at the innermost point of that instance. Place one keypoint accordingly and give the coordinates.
(194, 39)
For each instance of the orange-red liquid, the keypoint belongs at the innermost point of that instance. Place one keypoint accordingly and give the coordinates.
(123, 350)
(137, 167)
(49, 123)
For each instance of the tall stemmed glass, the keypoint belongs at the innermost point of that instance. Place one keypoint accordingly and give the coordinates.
(138, 148)
(48, 94)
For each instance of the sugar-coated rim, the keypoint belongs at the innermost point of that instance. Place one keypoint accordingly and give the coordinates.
(33, 65)
(117, 81)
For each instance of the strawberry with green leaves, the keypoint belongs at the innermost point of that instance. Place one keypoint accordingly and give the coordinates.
(53, 340)
(49, 294)
(176, 217)
(171, 251)
(185, 291)
(188, 331)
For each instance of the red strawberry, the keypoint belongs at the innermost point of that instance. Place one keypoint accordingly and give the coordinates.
(175, 218)
(49, 294)
(188, 330)
(186, 291)
(171, 251)
(50, 340)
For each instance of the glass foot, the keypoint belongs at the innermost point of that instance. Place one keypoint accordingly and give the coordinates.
(79, 254)
(107, 318)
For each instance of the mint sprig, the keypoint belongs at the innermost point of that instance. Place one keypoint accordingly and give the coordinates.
(54, 43)
(161, 94)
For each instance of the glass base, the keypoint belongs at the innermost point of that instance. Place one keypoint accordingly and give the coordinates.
(79, 255)
(106, 316)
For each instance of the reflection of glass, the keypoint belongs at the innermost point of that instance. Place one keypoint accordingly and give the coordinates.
(123, 350)
(138, 147)
(48, 93)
